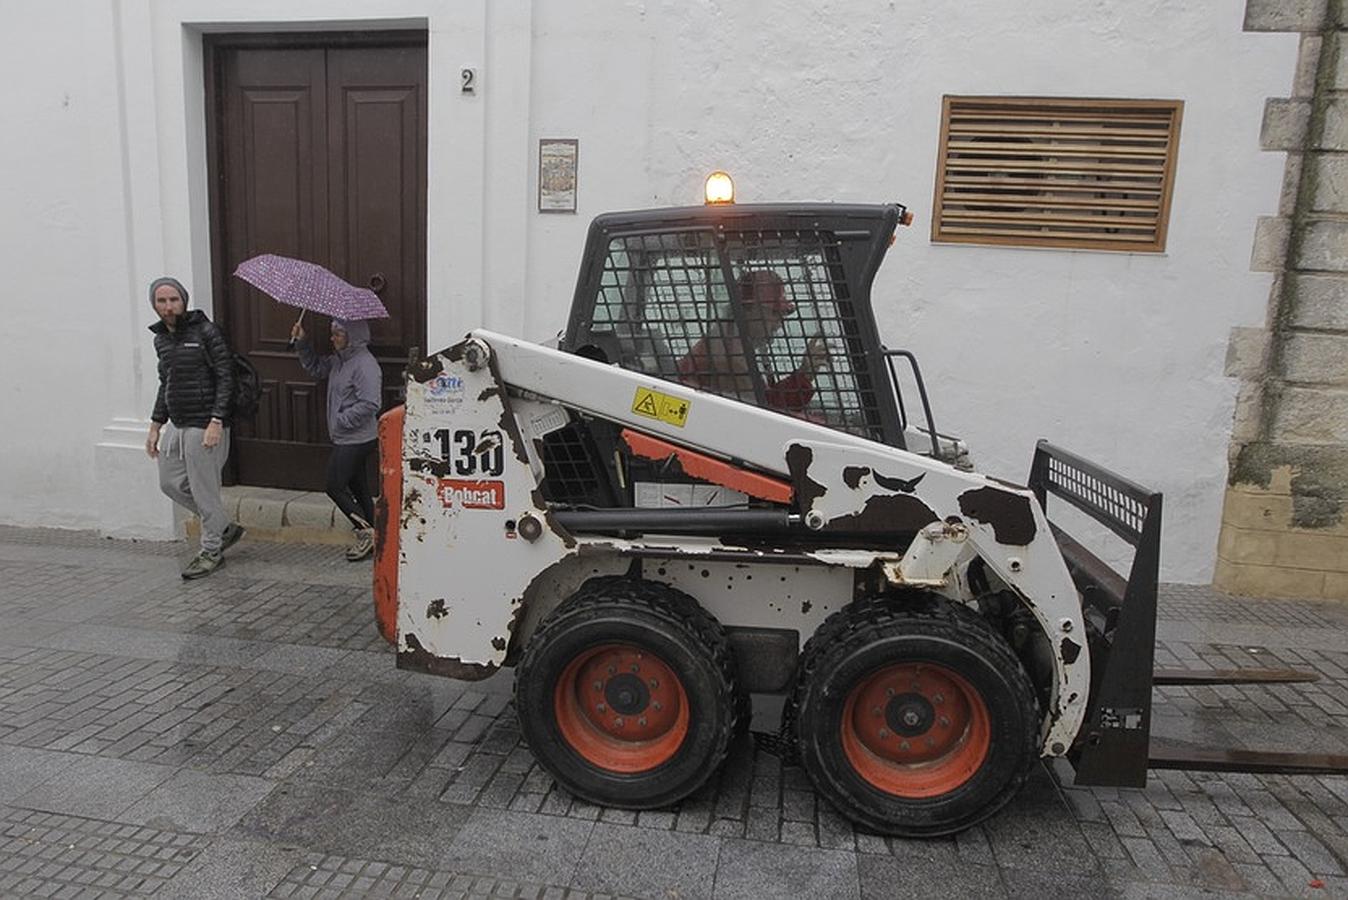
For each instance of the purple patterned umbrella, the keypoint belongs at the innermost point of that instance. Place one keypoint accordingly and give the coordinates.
(309, 286)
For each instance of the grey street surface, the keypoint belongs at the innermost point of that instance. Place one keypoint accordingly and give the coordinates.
(247, 735)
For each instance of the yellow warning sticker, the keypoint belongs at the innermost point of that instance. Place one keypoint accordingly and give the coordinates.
(662, 407)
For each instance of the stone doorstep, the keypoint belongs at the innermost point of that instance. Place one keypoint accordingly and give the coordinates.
(277, 514)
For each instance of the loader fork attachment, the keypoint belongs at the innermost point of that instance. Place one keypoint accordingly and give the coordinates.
(1177, 755)
(1115, 747)
(1167, 754)
(1170, 677)
(1112, 748)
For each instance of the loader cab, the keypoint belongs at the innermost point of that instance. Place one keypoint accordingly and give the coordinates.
(744, 301)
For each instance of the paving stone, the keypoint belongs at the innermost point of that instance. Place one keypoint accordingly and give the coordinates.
(659, 819)
(336, 876)
(230, 868)
(23, 768)
(96, 788)
(748, 869)
(1122, 819)
(1311, 852)
(1211, 870)
(888, 877)
(648, 863)
(1042, 841)
(530, 847)
(323, 818)
(737, 828)
(1103, 841)
(1295, 877)
(1147, 858)
(799, 833)
(1174, 853)
(198, 802)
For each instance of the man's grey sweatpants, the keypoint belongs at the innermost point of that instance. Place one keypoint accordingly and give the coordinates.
(189, 474)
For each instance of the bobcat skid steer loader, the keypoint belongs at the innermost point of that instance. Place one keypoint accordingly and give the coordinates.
(713, 487)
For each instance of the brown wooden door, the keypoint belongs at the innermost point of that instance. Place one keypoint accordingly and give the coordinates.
(319, 152)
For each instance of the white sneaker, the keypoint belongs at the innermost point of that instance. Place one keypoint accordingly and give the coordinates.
(363, 547)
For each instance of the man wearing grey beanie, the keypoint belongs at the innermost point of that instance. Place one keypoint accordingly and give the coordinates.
(196, 393)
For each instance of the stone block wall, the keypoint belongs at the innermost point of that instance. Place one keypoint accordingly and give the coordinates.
(1285, 518)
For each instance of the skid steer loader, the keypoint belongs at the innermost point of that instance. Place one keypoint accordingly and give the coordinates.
(713, 487)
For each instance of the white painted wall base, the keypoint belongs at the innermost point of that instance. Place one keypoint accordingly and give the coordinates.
(129, 502)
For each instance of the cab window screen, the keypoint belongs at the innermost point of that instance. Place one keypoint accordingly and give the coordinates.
(782, 336)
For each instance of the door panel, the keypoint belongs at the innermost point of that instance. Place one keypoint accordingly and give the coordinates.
(375, 114)
(319, 155)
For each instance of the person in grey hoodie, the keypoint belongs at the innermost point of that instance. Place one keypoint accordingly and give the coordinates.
(354, 383)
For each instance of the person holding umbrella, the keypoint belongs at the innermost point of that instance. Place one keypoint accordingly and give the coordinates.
(351, 370)
(354, 385)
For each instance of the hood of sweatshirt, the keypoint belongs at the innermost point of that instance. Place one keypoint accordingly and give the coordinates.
(357, 336)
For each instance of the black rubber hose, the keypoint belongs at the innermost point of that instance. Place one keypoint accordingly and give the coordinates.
(676, 521)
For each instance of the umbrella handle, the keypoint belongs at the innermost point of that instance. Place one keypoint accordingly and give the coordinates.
(290, 344)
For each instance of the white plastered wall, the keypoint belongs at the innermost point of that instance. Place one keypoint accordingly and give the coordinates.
(105, 188)
(1116, 356)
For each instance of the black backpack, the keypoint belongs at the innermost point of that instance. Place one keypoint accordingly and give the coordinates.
(247, 386)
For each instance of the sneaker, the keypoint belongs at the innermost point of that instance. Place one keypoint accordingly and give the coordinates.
(231, 535)
(203, 564)
(363, 546)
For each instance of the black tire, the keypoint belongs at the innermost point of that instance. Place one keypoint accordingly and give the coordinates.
(913, 716)
(592, 744)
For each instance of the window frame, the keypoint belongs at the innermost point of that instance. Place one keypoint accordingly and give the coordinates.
(1068, 107)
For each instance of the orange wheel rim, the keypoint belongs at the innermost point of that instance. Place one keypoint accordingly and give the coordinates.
(621, 708)
(915, 730)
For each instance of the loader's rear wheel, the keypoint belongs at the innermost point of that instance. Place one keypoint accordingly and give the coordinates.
(914, 717)
(626, 694)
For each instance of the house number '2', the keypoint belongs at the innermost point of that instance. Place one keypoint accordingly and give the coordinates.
(470, 453)
(468, 80)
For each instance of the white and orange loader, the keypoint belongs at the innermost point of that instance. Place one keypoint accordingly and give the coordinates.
(646, 554)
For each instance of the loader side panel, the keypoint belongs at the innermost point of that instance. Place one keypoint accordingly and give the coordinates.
(474, 530)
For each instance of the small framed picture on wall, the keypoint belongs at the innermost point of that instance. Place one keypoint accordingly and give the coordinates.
(557, 174)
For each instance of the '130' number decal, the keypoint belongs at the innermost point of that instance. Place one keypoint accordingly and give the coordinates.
(472, 453)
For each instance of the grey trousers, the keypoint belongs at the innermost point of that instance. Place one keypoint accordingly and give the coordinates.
(189, 475)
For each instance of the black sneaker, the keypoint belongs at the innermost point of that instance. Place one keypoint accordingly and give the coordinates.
(203, 564)
(231, 535)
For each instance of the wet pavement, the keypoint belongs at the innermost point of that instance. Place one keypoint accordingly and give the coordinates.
(247, 735)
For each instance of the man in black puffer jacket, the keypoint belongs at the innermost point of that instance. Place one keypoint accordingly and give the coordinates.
(196, 391)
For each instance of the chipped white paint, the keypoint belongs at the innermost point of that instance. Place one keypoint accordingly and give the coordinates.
(930, 560)
(1034, 570)
(464, 572)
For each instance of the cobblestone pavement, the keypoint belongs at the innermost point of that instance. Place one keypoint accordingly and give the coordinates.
(248, 736)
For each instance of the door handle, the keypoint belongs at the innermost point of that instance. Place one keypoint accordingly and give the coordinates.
(378, 282)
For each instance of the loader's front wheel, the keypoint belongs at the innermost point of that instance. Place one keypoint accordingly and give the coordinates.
(914, 717)
(626, 694)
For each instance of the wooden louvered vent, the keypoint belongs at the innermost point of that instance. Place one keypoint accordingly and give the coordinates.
(1040, 172)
